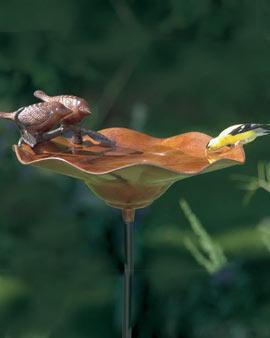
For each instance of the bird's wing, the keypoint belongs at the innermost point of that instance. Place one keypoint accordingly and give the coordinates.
(34, 114)
(242, 128)
(230, 129)
(257, 127)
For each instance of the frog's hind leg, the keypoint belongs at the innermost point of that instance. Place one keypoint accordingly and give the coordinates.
(47, 136)
(33, 140)
(27, 138)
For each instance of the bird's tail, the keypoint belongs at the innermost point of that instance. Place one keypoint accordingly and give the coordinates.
(263, 129)
(7, 116)
(40, 94)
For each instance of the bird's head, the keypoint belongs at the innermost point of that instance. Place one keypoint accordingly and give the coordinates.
(83, 106)
(214, 144)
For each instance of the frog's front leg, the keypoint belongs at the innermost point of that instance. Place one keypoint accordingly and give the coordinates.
(47, 136)
(98, 137)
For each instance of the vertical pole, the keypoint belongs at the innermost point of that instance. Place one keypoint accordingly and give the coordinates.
(128, 218)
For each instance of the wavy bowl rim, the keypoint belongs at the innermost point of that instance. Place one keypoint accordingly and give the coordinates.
(145, 163)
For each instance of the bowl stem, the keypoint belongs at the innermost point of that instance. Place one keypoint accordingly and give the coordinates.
(128, 218)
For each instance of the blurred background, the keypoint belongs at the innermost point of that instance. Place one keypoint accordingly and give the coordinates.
(164, 68)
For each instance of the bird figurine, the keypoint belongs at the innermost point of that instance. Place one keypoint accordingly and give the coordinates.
(55, 116)
(77, 105)
(36, 119)
(80, 109)
(238, 134)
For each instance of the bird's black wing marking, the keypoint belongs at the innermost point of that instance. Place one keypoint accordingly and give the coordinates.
(247, 127)
(241, 129)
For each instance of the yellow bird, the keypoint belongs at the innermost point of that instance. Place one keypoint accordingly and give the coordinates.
(238, 134)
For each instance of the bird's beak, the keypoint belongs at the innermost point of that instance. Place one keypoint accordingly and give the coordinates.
(86, 110)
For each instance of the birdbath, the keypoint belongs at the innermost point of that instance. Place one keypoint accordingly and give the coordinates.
(131, 175)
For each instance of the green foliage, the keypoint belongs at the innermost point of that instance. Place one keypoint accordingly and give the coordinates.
(208, 253)
(264, 230)
(251, 184)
